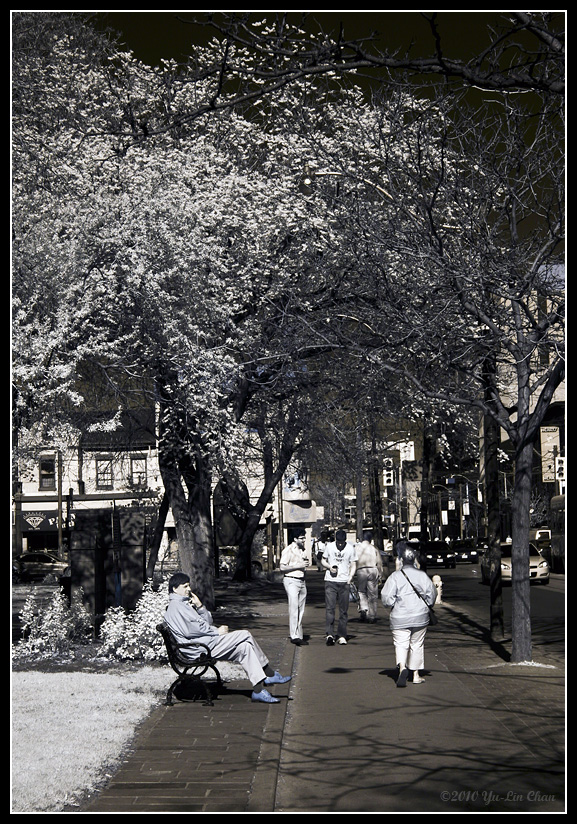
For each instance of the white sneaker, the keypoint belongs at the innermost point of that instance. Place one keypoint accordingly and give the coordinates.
(342, 640)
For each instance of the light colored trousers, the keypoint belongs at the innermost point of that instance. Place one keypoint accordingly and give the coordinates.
(296, 590)
(368, 586)
(410, 647)
(239, 646)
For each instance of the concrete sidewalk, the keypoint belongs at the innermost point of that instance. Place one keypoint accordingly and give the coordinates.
(479, 735)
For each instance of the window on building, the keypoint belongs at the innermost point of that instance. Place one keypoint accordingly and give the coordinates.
(138, 471)
(104, 473)
(47, 473)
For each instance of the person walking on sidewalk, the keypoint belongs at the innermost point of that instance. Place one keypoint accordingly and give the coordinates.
(409, 615)
(321, 545)
(293, 562)
(339, 560)
(369, 571)
(189, 620)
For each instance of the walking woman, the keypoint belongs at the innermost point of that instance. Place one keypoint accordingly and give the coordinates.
(409, 615)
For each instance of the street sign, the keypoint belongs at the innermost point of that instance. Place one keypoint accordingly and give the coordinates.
(549, 451)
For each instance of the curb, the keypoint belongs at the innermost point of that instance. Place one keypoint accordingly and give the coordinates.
(263, 790)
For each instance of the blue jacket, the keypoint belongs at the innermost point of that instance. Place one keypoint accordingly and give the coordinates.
(187, 623)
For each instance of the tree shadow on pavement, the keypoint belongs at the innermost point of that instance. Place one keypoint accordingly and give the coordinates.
(474, 630)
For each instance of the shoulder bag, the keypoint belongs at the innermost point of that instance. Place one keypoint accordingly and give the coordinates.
(432, 617)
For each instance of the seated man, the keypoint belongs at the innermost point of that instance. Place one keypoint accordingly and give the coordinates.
(188, 621)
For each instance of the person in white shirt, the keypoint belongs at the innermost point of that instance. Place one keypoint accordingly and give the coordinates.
(369, 571)
(321, 545)
(293, 562)
(339, 560)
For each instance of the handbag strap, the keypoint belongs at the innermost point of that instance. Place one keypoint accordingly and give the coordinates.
(414, 587)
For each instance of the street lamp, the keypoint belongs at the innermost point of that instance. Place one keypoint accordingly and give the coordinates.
(306, 182)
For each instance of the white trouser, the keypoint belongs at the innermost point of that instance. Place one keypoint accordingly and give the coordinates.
(239, 646)
(368, 586)
(296, 591)
(409, 647)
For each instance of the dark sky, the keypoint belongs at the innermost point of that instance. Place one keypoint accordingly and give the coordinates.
(157, 34)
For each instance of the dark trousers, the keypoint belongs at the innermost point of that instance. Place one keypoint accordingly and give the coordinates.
(336, 593)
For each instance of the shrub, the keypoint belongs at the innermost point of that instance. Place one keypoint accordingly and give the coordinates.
(56, 629)
(132, 636)
(127, 636)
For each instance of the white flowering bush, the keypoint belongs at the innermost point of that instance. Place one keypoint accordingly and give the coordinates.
(132, 636)
(54, 630)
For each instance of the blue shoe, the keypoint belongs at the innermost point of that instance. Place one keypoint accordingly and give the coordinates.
(277, 678)
(265, 697)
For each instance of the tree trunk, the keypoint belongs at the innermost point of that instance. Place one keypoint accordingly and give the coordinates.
(359, 506)
(491, 439)
(273, 477)
(157, 536)
(491, 446)
(425, 481)
(198, 479)
(521, 595)
(190, 532)
(376, 503)
(243, 570)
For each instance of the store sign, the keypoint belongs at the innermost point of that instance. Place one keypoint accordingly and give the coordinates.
(299, 512)
(39, 521)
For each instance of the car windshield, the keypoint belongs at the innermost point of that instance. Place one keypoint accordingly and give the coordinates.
(506, 551)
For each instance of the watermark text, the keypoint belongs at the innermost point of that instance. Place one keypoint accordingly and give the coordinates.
(488, 797)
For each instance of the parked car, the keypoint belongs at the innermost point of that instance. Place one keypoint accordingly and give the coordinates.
(438, 554)
(541, 537)
(538, 565)
(37, 565)
(466, 551)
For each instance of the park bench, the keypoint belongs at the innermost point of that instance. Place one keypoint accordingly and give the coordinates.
(188, 669)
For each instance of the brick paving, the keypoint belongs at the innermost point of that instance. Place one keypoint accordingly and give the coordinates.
(220, 758)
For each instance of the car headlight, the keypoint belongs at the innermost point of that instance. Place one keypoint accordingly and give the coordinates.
(505, 566)
(544, 564)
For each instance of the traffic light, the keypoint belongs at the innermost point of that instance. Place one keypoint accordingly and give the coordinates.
(560, 469)
(388, 472)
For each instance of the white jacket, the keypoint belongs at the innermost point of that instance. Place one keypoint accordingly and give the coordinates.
(408, 610)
